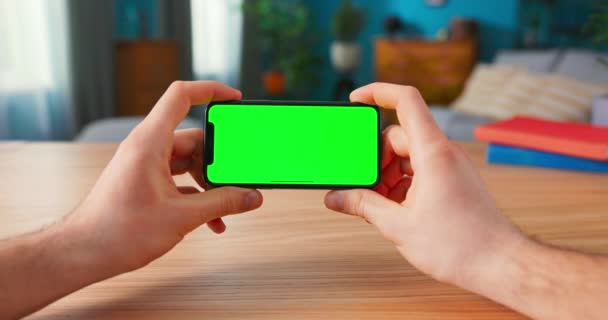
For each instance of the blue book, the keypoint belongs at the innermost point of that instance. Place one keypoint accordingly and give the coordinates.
(501, 154)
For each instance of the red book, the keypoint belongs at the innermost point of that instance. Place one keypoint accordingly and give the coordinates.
(573, 139)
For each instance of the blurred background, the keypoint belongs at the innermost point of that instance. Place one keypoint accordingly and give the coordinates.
(88, 70)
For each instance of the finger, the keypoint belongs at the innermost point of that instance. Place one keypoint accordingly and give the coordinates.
(196, 172)
(398, 141)
(193, 165)
(399, 192)
(180, 166)
(394, 172)
(382, 189)
(188, 148)
(387, 149)
(186, 142)
(175, 104)
(187, 190)
(205, 206)
(406, 167)
(217, 225)
(412, 111)
(367, 204)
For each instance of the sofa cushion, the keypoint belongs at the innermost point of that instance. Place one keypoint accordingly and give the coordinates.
(499, 92)
(482, 87)
(546, 96)
(583, 65)
(541, 61)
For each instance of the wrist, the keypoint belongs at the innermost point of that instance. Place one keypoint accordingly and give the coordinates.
(44, 266)
(498, 260)
(85, 251)
(543, 282)
(514, 273)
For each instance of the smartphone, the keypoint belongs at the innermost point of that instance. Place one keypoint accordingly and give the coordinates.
(296, 145)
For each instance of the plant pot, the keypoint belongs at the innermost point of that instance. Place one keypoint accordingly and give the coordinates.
(274, 83)
(599, 112)
(345, 56)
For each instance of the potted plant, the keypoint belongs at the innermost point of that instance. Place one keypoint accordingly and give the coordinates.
(598, 27)
(282, 33)
(347, 24)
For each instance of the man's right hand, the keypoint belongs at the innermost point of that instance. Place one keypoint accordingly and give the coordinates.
(434, 206)
(431, 202)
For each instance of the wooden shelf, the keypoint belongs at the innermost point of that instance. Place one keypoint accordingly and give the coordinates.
(144, 70)
(439, 69)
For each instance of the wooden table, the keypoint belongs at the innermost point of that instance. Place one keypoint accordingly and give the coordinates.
(291, 259)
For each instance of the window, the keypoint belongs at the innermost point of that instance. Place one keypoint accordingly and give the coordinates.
(216, 39)
(25, 59)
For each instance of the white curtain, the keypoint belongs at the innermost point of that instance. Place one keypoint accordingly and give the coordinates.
(35, 97)
(217, 39)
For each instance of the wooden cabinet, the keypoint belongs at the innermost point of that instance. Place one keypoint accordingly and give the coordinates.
(439, 69)
(144, 70)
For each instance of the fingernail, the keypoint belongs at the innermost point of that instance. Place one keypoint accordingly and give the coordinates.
(335, 200)
(253, 199)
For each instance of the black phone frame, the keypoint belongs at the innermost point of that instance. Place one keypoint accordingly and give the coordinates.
(208, 147)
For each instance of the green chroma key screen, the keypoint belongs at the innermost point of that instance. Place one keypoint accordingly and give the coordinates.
(267, 144)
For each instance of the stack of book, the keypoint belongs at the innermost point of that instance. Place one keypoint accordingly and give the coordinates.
(534, 142)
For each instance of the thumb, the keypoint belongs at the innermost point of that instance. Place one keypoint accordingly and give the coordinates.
(364, 203)
(205, 206)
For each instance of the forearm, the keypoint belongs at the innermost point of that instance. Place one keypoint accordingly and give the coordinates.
(544, 282)
(39, 268)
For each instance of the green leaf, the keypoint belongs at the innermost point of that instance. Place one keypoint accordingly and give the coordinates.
(348, 21)
(284, 34)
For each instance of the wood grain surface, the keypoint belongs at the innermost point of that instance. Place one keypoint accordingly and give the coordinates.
(291, 259)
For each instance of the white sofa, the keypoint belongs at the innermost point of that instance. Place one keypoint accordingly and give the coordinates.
(117, 129)
(576, 63)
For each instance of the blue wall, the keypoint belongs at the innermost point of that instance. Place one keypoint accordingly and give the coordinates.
(563, 25)
(499, 25)
(499, 20)
(130, 16)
